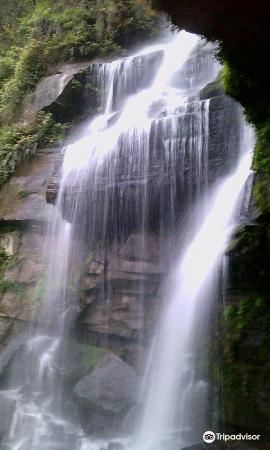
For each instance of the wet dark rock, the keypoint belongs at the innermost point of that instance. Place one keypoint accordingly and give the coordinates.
(224, 136)
(113, 286)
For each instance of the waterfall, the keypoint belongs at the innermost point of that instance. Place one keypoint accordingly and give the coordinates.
(143, 165)
(190, 290)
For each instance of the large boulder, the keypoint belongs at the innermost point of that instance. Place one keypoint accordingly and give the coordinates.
(105, 396)
(111, 386)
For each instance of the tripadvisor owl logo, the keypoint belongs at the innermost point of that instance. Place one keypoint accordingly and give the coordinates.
(209, 437)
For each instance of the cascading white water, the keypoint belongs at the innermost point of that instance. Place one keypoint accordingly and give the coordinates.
(152, 137)
(170, 380)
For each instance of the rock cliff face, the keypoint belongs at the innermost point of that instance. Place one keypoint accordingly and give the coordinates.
(115, 284)
(24, 215)
(51, 93)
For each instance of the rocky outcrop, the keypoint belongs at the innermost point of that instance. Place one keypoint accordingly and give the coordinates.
(66, 94)
(51, 89)
(77, 89)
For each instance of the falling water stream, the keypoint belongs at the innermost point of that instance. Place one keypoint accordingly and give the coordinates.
(191, 285)
(152, 134)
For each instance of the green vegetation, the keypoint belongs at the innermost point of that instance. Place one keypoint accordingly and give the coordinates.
(22, 193)
(240, 318)
(13, 286)
(91, 355)
(19, 142)
(50, 32)
(38, 35)
(249, 91)
(245, 348)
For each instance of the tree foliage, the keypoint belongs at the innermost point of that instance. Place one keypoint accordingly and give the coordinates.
(38, 35)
